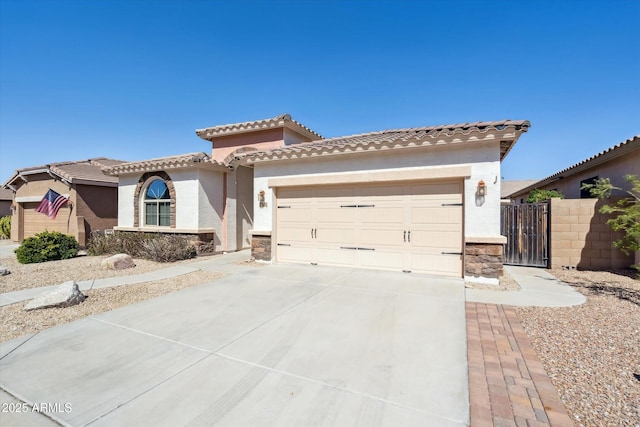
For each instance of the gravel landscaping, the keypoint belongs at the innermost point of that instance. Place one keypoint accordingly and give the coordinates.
(592, 351)
(15, 322)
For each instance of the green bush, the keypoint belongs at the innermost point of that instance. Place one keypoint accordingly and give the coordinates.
(47, 246)
(5, 227)
(155, 247)
(537, 196)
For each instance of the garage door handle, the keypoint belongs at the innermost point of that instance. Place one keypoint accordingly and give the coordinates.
(404, 236)
(284, 244)
(349, 247)
(452, 204)
(451, 253)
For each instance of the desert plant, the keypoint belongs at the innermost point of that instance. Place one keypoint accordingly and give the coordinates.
(537, 196)
(155, 247)
(168, 249)
(626, 211)
(5, 227)
(47, 246)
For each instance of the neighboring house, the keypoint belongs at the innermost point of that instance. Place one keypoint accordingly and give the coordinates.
(613, 163)
(424, 199)
(579, 234)
(509, 187)
(92, 205)
(6, 199)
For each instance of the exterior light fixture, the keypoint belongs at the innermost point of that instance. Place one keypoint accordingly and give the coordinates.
(261, 200)
(482, 188)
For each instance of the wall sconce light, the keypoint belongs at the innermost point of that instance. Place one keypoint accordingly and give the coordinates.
(482, 188)
(261, 200)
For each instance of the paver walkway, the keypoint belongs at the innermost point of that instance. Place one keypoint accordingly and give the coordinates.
(508, 385)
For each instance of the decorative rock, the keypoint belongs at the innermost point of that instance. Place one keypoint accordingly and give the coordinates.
(65, 295)
(118, 262)
(4, 271)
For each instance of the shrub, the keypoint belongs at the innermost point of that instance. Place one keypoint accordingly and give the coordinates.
(5, 227)
(155, 247)
(47, 246)
(168, 249)
(537, 196)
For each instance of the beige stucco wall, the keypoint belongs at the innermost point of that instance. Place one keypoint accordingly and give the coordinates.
(225, 145)
(581, 237)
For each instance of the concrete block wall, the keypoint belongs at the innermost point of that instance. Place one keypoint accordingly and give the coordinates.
(581, 238)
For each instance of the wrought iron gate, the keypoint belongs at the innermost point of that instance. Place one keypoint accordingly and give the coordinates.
(526, 227)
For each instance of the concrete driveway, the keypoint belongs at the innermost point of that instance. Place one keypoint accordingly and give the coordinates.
(279, 345)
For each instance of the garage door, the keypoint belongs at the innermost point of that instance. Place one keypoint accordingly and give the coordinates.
(403, 227)
(36, 222)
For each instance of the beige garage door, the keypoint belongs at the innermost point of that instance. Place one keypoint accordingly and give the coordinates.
(403, 227)
(36, 222)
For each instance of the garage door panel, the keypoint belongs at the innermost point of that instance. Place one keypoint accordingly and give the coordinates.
(335, 215)
(300, 254)
(336, 256)
(368, 226)
(36, 222)
(335, 235)
(435, 215)
(446, 265)
(436, 239)
(300, 234)
(382, 215)
(382, 259)
(294, 215)
(377, 237)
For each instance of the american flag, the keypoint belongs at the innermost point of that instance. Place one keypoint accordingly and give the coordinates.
(51, 204)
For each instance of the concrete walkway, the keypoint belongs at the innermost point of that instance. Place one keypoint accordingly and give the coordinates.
(539, 289)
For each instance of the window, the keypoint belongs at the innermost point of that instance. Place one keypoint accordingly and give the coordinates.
(157, 204)
(586, 194)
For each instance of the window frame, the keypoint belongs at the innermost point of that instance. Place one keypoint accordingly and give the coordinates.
(162, 206)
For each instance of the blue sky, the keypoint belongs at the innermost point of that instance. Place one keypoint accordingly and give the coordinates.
(133, 79)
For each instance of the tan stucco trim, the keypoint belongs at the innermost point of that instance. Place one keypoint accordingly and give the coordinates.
(167, 230)
(498, 240)
(31, 199)
(372, 176)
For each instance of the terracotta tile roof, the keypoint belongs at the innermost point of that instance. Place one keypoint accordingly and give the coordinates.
(283, 120)
(617, 150)
(83, 171)
(163, 163)
(396, 138)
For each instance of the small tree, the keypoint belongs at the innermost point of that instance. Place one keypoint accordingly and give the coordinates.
(626, 211)
(537, 196)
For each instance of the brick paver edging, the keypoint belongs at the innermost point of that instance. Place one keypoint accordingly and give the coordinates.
(508, 385)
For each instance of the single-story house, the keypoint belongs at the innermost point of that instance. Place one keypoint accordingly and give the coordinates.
(613, 163)
(424, 199)
(92, 198)
(6, 199)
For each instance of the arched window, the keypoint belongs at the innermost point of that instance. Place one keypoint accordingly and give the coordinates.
(157, 204)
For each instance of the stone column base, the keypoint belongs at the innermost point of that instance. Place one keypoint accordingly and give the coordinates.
(483, 262)
(261, 247)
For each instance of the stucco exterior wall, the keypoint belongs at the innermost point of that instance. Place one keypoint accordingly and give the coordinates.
(482, 217)
(198, 200)
(262, 140)
(615, 169)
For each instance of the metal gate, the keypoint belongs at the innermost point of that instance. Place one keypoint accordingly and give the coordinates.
(526, 227)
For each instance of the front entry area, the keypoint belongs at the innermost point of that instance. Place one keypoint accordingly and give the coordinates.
(398, 226)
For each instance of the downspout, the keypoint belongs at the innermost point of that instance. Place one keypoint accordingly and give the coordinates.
(224, 211)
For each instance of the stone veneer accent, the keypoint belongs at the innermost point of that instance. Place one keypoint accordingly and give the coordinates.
(142, 183)
(261, 247)
(483, 260)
